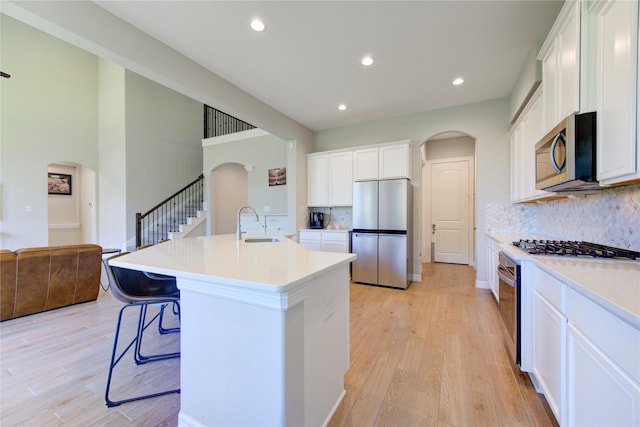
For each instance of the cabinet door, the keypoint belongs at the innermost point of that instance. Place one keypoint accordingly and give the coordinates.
(335, 242)
(394, 161)
(550, 87)
(569, 64)
(318, 180)
(516, 163)
(341, 185)
(365, 164)
(549, 355)
(617, 91)
(598, 392)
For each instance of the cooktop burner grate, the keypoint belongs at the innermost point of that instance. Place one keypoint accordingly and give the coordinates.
(573, 248)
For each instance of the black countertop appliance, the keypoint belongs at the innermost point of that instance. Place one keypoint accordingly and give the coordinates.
(316, 220)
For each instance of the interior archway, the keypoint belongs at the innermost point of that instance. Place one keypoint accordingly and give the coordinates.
(71, 204)
(229, 191)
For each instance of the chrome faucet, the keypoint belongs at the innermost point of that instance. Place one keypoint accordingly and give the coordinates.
(238, 232)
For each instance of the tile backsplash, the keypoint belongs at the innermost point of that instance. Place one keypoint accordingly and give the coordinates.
(340, 216)
(611, 217)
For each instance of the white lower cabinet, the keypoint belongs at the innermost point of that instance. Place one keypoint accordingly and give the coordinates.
(599, 393)
(326, 241)
(585, 359)
(492, 267)
(549, 332)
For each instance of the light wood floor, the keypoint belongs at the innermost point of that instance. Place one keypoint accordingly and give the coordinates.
(430, 355)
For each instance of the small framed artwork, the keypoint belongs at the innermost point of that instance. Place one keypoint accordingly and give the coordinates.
(277, 176)
(59, 183)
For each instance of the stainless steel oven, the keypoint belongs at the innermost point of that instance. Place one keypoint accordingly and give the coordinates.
(509, 304)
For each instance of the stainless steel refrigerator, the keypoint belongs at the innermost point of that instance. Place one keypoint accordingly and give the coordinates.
(381, 237)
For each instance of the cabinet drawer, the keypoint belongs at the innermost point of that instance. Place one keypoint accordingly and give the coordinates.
(613, 336)
(311, 235)
(550, 288)
(340, 238)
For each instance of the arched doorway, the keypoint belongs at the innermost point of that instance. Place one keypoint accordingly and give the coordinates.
(229, 191)
(71, 204)
(448, 198)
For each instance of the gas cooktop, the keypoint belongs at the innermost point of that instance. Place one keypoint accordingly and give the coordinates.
(571, 248)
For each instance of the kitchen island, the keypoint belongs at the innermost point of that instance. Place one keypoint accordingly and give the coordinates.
(264, 328)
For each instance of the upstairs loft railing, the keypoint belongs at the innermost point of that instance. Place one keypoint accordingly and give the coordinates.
(217, 123)
(155, 225)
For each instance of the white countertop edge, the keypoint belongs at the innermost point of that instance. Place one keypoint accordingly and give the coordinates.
(505, 243)
(234, 283)
(280, 301)
(620, 312)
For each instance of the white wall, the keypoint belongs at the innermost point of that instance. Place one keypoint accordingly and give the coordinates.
(164, 131)
(112, 177)
(487, 122)
(113, 39)
(63, 104)
(49, 113)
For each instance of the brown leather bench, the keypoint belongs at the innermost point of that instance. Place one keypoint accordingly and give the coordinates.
(33, 280)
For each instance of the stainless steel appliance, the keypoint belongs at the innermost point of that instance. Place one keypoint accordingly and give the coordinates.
(566, 156)
(381, 237)
(316, 220)
(509, 305)
(575, 248)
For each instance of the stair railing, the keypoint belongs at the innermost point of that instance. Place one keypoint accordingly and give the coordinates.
(155, 225)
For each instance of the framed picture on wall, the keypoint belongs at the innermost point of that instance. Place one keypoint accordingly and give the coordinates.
(277, 176)
(59, 183)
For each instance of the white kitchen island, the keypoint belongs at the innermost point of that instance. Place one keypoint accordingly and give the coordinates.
(264, 329)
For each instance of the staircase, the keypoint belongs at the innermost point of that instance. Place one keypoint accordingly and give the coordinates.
(173, 218)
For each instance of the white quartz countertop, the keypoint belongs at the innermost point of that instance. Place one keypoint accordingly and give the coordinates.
(614, 284)
(268, 266)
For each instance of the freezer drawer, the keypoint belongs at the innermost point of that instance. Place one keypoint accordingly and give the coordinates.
(365, 268)
(392, 260)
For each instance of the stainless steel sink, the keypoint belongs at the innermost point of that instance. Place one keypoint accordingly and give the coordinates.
(262, 240)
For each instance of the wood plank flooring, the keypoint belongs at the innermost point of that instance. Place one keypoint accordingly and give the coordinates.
(430, 355)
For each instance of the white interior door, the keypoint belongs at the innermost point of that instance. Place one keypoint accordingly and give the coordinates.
(450, 220)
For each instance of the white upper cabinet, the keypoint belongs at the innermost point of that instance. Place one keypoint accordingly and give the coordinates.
(365, 164)
(329, 179)
(560, 56)
(394, 161)
(524, 136)
(341, 179)
(385, 161)
(617, 90)
(318, 180)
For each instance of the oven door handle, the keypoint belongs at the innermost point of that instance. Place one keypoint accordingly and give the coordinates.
(505, 276)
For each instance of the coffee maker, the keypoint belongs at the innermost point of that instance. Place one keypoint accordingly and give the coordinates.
(316, 220)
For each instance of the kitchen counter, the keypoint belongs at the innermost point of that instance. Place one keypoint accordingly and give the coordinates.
(264, 328)
(613, 284)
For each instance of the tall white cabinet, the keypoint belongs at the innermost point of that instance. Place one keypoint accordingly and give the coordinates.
(616, 27)
(560, 56)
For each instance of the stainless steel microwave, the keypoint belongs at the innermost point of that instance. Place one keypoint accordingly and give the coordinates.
(566, 156)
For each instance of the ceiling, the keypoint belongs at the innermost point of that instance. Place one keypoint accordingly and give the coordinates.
(307, 61)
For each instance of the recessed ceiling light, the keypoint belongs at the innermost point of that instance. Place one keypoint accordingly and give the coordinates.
(257, 25)
(367, 60)
(458, 81)
(342, 107)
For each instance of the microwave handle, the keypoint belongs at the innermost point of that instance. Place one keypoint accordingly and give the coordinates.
(556, 140)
